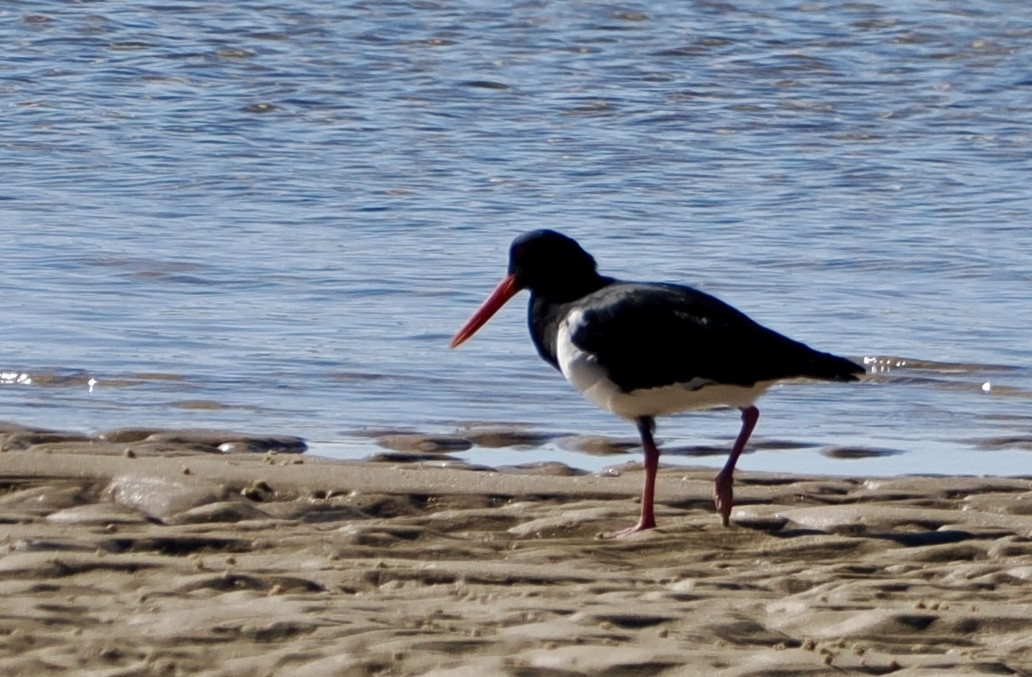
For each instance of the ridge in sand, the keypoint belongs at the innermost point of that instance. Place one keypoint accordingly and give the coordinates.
(175, 561)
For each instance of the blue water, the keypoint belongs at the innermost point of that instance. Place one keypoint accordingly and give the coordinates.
(272, 217)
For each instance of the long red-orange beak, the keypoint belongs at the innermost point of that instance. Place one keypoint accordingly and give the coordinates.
(505, 290)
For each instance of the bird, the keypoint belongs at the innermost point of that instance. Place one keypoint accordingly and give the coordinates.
(642, 350)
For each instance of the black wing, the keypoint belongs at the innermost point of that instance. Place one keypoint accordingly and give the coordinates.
(650, 335)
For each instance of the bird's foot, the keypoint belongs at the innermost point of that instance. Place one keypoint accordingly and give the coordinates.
(724, 497)
(642, 525)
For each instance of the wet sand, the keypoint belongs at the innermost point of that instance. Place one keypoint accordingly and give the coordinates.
(202, 553)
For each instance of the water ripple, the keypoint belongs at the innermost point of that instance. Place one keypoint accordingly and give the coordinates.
(289, 207)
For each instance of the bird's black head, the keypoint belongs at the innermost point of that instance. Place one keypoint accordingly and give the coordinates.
(552, 265)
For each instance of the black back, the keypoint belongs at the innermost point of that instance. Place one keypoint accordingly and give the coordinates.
(649, 335)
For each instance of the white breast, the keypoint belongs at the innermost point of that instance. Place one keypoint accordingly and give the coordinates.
(584, 372)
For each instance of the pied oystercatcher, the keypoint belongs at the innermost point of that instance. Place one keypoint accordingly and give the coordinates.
(642, 349)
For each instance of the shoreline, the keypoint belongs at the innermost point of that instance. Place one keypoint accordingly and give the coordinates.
(181, 562)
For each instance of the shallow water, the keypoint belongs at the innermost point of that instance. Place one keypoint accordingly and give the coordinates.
(273, 217)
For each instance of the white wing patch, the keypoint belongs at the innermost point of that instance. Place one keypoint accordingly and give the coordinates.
(584, 372)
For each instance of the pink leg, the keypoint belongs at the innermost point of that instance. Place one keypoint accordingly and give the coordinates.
(648, 493)
(723, 494)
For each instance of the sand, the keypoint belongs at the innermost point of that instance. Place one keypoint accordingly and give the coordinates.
(193, 553)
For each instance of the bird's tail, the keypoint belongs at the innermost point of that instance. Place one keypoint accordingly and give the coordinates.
(828, 367)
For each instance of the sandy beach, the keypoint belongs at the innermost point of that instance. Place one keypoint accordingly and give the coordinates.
(202, 553)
